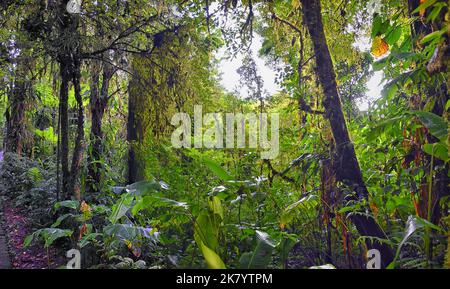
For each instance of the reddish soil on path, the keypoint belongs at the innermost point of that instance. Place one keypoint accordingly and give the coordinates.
(16, 229)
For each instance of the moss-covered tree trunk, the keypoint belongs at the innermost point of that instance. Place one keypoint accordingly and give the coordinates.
(15, 115)
(18, 138)
(135, 129)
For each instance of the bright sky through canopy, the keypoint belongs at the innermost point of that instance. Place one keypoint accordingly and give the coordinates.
(230, 78)
(228, 68)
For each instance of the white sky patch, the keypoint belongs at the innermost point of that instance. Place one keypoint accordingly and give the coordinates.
(228, 67)
(363, 43)
(376, 83)
(375, 86)
(230, 79)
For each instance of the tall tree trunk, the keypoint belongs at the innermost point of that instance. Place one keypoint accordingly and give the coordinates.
(15, 117)
(98, 104)
(78, 149)
(135, 134)
(93, 178)
(347, 166)
(70, 70)
(17, 136)
(64, 119)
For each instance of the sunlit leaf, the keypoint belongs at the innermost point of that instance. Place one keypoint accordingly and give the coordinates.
(379, 47)
(213, 260)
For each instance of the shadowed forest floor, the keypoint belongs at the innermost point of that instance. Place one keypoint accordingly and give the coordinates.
(14, 228)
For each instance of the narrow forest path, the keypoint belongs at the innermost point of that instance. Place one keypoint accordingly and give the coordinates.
(4, 256)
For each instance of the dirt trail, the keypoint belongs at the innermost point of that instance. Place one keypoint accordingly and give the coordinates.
(4, 257)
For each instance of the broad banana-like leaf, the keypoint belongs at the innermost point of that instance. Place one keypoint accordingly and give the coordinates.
(327, 266)
(437, 125)
(121, 208)
(213, 261)
(206, 230)
(261, 256)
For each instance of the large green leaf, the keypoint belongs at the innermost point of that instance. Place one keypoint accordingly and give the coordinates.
(206, 233)
(49, 235)
(379, 26)
(437, 125)
(261, 256)
(438, 150)
(216, 206)
(88, 239)
(424, 6)
(376, 25)
(433, 36)
(146, 187)
(121, 208)
(217, 170)
(206, 230)
(149, 202)
(61, 219)
(383, 127)
(213, 261)
(286, 245)
(130, 232)
(394, 35)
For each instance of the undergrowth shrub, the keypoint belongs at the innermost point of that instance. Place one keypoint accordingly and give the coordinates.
(30, 185)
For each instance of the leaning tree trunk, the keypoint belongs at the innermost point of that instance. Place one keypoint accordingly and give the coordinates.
(347, 166)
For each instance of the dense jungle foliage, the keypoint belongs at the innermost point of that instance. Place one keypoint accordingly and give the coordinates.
(87, 99)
